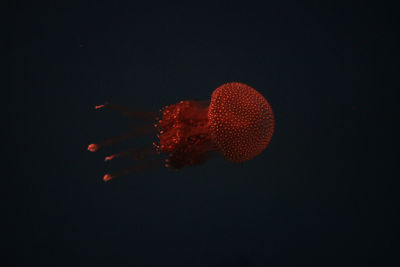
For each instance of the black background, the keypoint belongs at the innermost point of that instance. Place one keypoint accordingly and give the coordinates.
(321, 194)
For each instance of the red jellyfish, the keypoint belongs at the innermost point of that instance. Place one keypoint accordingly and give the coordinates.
(238, 122)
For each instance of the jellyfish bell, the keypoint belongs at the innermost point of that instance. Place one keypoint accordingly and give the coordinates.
(241, 121)
(238, 123)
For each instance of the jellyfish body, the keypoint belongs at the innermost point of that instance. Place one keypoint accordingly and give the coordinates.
(183, 134)
(238, 122)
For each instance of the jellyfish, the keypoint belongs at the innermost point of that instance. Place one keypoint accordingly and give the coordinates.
(238, 123)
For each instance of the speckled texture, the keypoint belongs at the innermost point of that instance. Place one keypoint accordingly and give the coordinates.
(241, 121)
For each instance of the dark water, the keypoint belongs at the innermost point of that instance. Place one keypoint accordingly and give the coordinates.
(321, 194)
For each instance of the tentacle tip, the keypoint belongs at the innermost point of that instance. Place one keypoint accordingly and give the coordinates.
(107, 177)
(99, 106)
(93, 147)
(109, 158)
